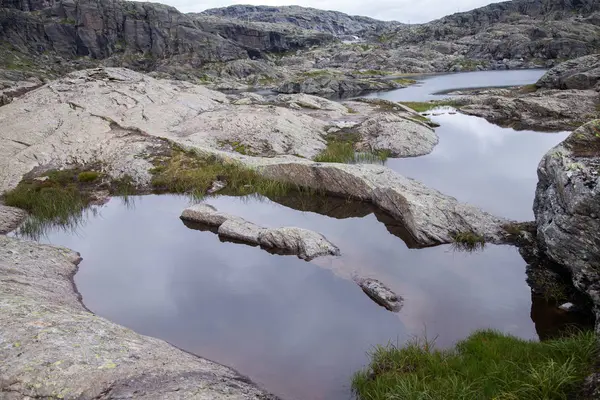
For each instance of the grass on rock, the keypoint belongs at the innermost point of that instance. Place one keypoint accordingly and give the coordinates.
(468, 241)
(422, 106)
(486, 365)
(340, 149)
(186, 172)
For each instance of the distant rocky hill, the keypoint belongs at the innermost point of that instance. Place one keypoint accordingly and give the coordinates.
(333, 22)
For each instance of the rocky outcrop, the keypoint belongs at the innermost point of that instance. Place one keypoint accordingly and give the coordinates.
(567, 207)
(10, 218)
(566, 96)
(122, 120)
(53, 347)
(581, 73)
(326, 84)
(380, 294)
(332, 22)
(304, 243)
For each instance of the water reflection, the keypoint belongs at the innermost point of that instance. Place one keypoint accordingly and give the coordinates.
(299, 328)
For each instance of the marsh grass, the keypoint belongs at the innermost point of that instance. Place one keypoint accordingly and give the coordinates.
(187, 172)
(467, 241)
(58, 197)
(486, 365)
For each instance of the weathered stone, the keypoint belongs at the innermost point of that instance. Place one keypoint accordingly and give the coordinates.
(205, 214)
(581, 73)
(52, 346)
(567, 207)
(400, 136)
(380, 294)
(304, 243)
(10, 218)
(241, 230)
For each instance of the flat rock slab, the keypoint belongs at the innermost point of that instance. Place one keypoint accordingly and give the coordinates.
(381, 294)
(10, 218)
(52, 347)
(304, 243)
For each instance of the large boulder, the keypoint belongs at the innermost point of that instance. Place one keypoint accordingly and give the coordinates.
(567, 207)
(10, 218)
(581, 73)
(51, 346)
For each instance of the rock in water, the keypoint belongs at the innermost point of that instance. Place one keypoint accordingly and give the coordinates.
(52, 346)
(10, 218)
(567, 207)
(302, 242)
(205, 214)
(240, 229)
(381, 294)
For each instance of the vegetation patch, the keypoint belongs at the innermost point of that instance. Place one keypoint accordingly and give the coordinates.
(58, 197)
(529, 88)
(187, 172)
(486, 365)
(238, 147)
(468, 241)
(371, 72)
(341, 149)
(316, 73)
(405, 81)
(422, 106)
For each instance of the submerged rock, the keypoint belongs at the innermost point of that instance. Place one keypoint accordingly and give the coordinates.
(52, 346)
(304, 243)
(10, 218)
(567, 207)
(381, 294)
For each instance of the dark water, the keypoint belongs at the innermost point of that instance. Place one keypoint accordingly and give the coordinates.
(301, 329)
(429, 85)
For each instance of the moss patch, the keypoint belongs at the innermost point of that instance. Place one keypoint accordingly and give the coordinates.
(341, 149)
(405, 81)
(486, 365)
(529, 88)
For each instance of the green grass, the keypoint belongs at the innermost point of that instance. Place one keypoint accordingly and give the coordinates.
(422, 106)
(340, 149)
(371, 72)
(317, 73)
(188, 172)
(88, 176)
(468, 241)
(486, 365)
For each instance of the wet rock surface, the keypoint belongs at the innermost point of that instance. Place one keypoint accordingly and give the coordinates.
(567, 206)
(581, 74)
(10, 218)
(304, 243)
(380, 294)
(52, 346)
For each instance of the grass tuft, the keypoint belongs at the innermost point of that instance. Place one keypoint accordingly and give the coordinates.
(340, 149)
(486, 365)
(88, 176)
(422, 106)
(185, 171)
(529, 88)
(468, 241)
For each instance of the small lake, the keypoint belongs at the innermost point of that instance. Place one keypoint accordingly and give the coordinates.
(301, 329)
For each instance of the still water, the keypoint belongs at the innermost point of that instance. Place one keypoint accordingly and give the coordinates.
(301, 329)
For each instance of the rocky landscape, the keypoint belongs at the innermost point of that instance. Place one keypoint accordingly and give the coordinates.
(125, 92)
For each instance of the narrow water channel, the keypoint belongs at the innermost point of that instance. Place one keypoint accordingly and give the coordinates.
(301, 329)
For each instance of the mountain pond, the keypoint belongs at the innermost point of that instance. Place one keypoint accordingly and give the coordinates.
(301, 329)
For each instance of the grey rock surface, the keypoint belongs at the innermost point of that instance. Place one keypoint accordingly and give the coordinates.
(53, 347)
(381, 294)
(205, 214)
(10, 218)
(241, 230)
(567, 207)
(581, 73)
(302, 242)
(329, 84)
